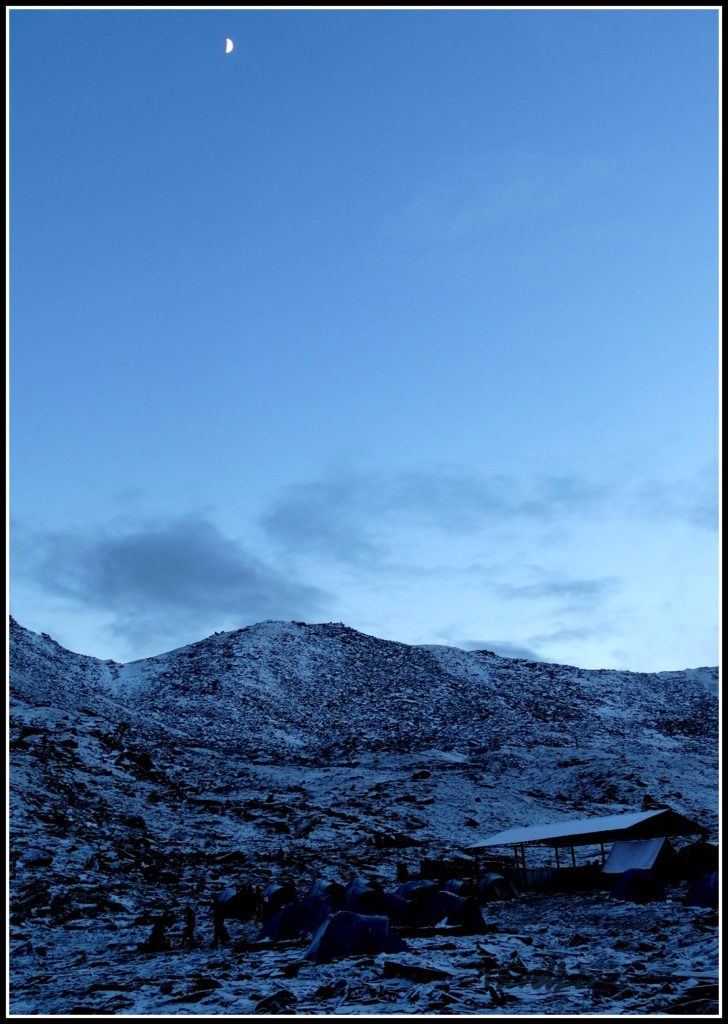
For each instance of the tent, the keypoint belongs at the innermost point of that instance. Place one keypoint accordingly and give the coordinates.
(459, 886)
(655, 855)
(415, 889)
(304, 916)
(435, 906)
(636, 885)
(495, 887)
(468, 916)
(369, 898)
(704, 892)
(695, 860)
(277, 895)
(347, 934)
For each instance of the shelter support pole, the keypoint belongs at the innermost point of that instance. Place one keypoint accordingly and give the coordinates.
(603, 857)
(558, 862)
(573, 858)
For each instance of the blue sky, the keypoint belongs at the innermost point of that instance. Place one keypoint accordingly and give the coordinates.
(406, 319)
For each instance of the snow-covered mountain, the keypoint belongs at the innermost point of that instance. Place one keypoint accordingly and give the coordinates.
(287, 690)
(309, 750)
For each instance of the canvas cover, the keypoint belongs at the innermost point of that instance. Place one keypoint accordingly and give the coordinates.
(633, 853)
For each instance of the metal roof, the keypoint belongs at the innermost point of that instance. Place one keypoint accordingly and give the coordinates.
(583, 831)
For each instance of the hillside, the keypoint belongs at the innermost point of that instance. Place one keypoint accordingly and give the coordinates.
(306, 750)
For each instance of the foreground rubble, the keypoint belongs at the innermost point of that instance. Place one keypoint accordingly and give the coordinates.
(626, 959)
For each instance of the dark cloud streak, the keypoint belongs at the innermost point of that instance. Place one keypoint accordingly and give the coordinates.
(569, 594)
(155, 578)
(346, 517)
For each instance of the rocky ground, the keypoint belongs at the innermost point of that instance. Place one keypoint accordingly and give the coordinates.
(548, 954)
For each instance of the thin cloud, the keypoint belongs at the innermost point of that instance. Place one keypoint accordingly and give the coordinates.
(571, 633)
(352, 517)
(327, 516)
(496, 194)
(569, 594)
(156, 578)
(347, 517)
(693, 502)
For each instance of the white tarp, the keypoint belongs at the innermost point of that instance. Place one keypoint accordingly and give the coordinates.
(633, 853)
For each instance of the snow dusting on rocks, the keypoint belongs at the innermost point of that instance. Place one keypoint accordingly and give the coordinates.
(294, 751)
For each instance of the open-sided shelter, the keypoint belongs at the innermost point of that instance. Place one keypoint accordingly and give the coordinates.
(574, 833)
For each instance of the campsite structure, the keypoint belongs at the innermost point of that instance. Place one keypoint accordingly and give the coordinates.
(626, 831)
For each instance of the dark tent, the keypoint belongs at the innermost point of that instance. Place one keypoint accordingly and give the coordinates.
(276, 896)
(347, 934)
(360, 892)
(638, 886)
(431, 907)
(291, 922)
(695, 860)
(369, 898)
(704, 891)
(495, 887)
(468, 916)
(332, 892)
(391, 906)
(414, 889)
(304, 916)
(459, 886)
(357, 885)
(437, 906)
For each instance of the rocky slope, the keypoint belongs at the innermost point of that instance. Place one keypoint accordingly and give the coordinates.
(299, 750)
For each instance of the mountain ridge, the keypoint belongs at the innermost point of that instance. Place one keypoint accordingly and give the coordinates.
(296, 694)
(350, 630)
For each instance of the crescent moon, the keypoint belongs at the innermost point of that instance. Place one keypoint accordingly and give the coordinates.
(228, 46)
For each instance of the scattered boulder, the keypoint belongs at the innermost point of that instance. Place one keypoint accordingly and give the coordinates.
(699, 1000)
(36, 858)
(278, 1002)
(336, 988)
(394, 840)
(414, 972)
